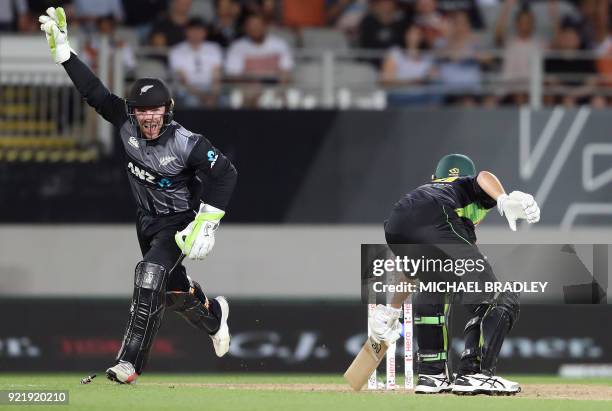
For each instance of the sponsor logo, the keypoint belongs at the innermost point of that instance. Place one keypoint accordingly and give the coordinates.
(18, 347)
(259, 345)
(133, 141)
(140, 173)
(212, 157)
(144, 175)
(454, 172)
(164, 183)
(146, 88)
(102, 346)
(164, 161)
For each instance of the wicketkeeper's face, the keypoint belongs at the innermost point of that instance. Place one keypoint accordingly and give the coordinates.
(150, 120)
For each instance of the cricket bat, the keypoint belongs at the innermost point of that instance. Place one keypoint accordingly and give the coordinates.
(370, 355)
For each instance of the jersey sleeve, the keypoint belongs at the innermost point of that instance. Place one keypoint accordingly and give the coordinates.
(219, 170)
(478, 194)
(111, 107)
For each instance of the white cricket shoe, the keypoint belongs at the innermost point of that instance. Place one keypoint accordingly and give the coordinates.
(484, 384)
(123, 373)
(433, 384)
(221, 339)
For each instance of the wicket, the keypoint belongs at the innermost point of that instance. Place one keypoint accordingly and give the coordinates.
(390, 383)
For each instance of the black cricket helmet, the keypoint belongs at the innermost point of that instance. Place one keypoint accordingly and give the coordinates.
(454, 165)
(150, 92)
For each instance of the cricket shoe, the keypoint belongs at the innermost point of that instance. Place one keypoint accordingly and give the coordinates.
(484, 384)
(123, 373)
(433, 384)
(221, 339)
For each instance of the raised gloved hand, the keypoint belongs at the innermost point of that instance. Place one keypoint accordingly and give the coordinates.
(56, 29)
(518, 206)
(198, 239)
(384, 323)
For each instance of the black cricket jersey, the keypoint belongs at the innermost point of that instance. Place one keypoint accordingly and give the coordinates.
(451, 205)
(164, 173)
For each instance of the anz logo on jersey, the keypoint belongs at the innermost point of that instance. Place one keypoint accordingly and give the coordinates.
(147, 177)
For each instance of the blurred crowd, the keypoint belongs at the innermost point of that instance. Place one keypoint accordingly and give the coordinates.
(460, 52)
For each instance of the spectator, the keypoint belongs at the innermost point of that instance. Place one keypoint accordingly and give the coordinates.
(226, 26)
(172, 25)
(468, 6)
(91, 10)
(140, 14)
(300, 13)
(259, 55)
(604, 62)
(593, 21)
(570, 74)
(347, 15)
(256, 59)
(196, 64)
(411, 66)
(519, 50)
(14, 15)
(158, 48)
(268, 9)
(460, 71)
(383, 27)
(433, 23)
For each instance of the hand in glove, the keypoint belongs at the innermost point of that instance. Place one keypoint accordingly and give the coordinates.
(55, 26)
(518, 206)
(198, 239)
(384, 323)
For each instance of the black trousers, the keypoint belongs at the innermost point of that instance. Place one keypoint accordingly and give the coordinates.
(157, 244)
(433, 230)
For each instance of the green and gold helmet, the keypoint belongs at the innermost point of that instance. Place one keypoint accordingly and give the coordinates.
(454, 165)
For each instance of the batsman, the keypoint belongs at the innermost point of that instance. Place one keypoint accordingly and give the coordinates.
(177, 214)
(442, 215)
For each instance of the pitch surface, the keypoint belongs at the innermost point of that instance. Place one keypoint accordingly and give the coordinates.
(251, 391)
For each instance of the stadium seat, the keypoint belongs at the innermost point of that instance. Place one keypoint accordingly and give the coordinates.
(130, 36)
(324, 39)
(360, 76)
(357, 76)
(151, 68)
(308, 76)
(286, 34)
(27, 54)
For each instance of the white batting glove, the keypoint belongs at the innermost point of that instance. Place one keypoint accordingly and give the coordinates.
(55, 26)
(197, 240)
(518, 206)
(384, 323)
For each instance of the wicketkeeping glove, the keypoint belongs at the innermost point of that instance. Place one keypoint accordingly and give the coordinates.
(198, 239)
(56, 29)
(518, 206)
(384, 323)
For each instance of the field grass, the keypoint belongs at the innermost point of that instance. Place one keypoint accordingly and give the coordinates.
(242, 392)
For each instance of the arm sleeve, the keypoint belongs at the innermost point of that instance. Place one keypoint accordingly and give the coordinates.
(479, 194)
(221, 173)
(108, 105)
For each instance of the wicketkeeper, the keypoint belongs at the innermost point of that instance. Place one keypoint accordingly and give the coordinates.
(441, 215)
(177, 214)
